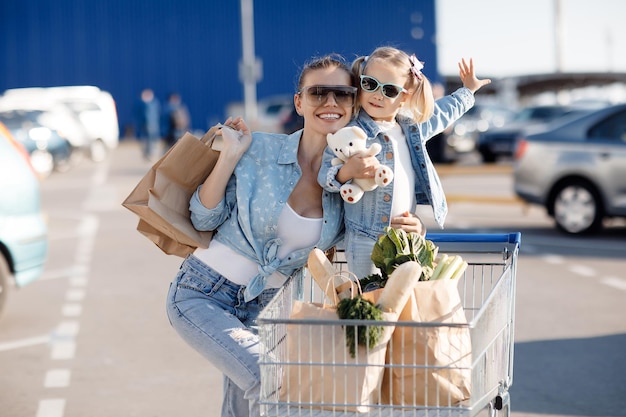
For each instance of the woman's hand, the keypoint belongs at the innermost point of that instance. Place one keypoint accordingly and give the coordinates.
(468, 77)
(236, 139)
(236, 136)
(409, 222)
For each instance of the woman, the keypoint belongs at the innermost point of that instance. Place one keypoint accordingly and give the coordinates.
(263, 187)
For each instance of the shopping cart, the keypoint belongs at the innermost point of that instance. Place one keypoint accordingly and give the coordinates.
(487, 292)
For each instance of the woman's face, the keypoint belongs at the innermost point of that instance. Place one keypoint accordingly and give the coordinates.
(326, 113)
(375, 103)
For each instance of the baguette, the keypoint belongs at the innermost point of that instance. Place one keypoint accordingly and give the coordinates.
(323, 272)
(399, 287)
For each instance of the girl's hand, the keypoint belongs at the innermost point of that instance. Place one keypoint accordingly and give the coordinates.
(468, 77)
(409, 222)
(358, 166)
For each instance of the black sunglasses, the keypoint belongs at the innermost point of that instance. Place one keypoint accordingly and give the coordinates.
(318, 94)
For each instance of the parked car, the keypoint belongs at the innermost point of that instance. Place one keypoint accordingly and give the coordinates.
(48, 149)
(271, 113)
(23, 230)
(96, 110)
(461, 138)
(86, 115)
(576, 169)
(500, 142)
(292, 122)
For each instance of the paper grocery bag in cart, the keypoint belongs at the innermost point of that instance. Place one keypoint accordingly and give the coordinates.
(319, 370)
(161, 199)
(431, 364)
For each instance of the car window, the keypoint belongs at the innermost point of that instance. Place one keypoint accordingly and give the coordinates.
(613, 127)
(82, 106)
(275, 108)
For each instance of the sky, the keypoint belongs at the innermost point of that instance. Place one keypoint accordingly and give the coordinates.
(514, 37)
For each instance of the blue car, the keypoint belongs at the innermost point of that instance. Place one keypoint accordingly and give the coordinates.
(23, 229)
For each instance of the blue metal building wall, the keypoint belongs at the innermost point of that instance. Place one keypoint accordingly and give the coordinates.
(194, 46)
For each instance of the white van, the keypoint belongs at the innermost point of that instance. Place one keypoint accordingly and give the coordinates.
(92, 109)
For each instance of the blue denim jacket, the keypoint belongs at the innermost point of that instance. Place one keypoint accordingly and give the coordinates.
(372, 213)
(246, 219)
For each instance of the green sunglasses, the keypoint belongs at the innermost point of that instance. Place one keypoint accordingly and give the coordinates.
(371, 84)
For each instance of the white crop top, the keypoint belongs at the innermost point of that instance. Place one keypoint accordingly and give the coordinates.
(295, 232)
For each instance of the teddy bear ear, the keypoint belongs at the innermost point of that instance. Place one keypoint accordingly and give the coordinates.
(359, 132)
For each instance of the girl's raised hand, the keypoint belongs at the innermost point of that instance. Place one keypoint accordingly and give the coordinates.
(468, 77)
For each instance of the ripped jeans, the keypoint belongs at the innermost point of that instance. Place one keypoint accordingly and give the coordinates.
(209, 313)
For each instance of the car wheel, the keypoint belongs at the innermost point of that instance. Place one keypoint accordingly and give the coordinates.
(98, 151)
(5, 276)
(577, 208)
(488, 156)
(63, 160)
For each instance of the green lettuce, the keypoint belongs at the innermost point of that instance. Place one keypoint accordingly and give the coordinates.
(396, 247)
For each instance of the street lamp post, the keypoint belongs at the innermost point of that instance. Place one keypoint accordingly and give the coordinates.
(249, 68)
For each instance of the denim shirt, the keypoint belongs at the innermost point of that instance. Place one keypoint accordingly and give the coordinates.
(370, 215)
(247, 217)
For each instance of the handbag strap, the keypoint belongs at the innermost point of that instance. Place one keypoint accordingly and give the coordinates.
(347, 276)
(209, 136)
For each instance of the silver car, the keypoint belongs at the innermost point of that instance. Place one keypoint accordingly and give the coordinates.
(576, 169)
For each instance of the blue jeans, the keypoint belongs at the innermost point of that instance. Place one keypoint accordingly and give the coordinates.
(359, 254)
(209, 313)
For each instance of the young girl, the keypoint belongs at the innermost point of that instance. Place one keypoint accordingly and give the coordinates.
(397, 110)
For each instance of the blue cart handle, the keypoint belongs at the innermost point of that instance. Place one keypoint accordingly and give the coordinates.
(514, 238)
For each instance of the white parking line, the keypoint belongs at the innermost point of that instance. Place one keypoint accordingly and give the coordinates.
(17, 344)
(585, 271)
(57, 378)
(75, 295)
(51, 407)
(68, 328)
(78, 281)
(582, 270)
(63, 350)
(63, 345)
(615, 282)
(72, 310)
(63, 273)
(553, 259)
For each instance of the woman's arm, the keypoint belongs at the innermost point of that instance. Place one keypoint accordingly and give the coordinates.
(237, 139)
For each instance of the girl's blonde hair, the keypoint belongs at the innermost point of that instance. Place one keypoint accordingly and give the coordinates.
(421, 102)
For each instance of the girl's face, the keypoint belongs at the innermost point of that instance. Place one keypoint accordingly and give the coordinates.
(378, 106)
(325, 111)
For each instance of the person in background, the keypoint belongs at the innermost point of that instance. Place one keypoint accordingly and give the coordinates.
(263, 188)
(396, 109)
(147, 114)
(176, 120)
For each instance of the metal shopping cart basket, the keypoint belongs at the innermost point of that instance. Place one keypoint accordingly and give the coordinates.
(487, 294)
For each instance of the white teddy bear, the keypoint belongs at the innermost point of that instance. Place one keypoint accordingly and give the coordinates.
(349, 141)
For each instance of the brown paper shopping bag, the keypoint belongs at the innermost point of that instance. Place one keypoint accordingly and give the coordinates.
(438, 356)
(161, 199)
(320, 372)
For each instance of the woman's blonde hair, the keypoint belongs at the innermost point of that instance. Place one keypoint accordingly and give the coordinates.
(421, 102)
